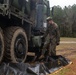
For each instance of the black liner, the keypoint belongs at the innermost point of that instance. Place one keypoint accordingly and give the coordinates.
(38, 68)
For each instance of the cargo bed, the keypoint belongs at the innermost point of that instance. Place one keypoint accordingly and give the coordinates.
(9, 10)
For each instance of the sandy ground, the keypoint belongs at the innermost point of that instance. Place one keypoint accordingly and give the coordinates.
(67, 48)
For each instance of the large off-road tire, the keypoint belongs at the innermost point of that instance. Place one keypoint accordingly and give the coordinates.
(1, 45)
(16, 44)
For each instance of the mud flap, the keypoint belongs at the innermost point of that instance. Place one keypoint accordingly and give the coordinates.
(38, 68)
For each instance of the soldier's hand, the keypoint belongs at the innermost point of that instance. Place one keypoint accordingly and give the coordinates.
(43, 39)
(57, 43)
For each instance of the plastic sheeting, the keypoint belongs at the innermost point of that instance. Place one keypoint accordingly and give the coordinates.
(37, 68)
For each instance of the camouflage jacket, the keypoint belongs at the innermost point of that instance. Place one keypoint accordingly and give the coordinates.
(53, 32)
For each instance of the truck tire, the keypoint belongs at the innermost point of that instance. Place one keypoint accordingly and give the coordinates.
(1, 45)
(16, 44)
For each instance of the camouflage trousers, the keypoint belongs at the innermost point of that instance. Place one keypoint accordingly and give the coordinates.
(50, 46)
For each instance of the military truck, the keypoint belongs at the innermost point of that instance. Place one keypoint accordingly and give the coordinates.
(22, 23)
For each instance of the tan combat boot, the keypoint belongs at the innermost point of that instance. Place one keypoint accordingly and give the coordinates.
(41, 57)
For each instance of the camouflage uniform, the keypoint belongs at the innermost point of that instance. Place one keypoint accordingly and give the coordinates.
(52, 36)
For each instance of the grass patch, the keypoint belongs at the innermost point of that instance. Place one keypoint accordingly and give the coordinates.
(67, 45)
(63, 72)
(66, 71)
(67, 39)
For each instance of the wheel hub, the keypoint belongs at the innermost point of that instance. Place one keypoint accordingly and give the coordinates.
(20, 47)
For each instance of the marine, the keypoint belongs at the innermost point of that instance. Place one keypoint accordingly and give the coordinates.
(52, 38)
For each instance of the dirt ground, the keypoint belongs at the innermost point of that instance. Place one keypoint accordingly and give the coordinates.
(67, 48)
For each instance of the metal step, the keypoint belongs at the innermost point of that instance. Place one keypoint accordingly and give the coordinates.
(31, 54)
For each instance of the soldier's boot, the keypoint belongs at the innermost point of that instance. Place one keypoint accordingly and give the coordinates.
(41, 57)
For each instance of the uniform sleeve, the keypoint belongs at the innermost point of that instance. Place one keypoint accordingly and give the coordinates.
(46, 33)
